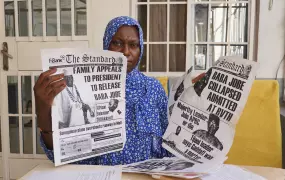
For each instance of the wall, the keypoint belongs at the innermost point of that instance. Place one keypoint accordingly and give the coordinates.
(271, 42)
(105, 10)
(271, 38)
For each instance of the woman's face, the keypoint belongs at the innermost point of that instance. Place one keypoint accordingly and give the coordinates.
(126, 40)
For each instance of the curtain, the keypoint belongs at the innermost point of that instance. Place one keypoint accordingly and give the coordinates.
(158, 33)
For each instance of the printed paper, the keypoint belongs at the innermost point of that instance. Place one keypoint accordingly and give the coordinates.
(174, 167)
(202, 125)
(88, 116)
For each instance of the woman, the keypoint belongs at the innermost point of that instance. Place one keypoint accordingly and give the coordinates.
(146, 101)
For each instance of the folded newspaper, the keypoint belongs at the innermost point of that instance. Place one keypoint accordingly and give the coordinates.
(202, 116)
(202, 122)
(88, 116)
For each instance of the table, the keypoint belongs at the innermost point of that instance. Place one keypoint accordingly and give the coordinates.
(267, 172)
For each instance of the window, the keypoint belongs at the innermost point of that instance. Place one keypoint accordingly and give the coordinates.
(45, 18)
(179, 34)
(164, 25)
(23, 128)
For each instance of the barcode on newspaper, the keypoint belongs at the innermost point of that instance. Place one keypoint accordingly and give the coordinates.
(95, 152)
(71, 147)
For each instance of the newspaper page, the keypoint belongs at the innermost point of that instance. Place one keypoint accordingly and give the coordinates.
(177, 88)
(88, 116)
(202, 125)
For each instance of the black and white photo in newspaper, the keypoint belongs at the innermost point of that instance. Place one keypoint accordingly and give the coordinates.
(88, 116)
(177, 88)
(202, 126)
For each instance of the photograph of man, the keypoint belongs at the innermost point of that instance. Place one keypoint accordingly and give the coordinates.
(73, 111)
(246, 71)
(209, 136)
(113, 104)
(202, 83)
(174, 138)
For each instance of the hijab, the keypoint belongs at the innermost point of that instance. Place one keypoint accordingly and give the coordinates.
(113, 27)
(142, 92)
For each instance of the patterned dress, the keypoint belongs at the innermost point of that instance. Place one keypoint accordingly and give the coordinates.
(146, 112)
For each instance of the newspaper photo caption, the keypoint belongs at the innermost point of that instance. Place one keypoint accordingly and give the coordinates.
(202, 125)
(88, 116)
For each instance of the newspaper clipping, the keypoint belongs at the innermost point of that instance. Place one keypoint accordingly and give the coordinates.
(202, 125)
(88, 116)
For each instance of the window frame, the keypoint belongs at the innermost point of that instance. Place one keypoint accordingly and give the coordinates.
(190, 42)
(44, 37)
(20, 115)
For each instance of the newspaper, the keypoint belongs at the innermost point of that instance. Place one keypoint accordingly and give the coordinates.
(173, 167)
(167, 166)
(202, 125)
(88, 116)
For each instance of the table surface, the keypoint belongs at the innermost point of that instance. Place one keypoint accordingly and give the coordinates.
(266, 172)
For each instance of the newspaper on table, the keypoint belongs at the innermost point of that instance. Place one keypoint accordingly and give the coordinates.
(177, 89)
(202, 125)
(172, 167)
(88, 116)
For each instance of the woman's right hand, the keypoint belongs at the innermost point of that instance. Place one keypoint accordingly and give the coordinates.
(45, 90)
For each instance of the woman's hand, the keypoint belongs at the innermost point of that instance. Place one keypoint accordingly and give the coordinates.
(45, 90)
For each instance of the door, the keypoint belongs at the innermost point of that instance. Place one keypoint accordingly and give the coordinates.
(31, 25)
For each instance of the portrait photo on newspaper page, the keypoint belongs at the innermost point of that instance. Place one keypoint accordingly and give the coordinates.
(202, 125)
(88, 116)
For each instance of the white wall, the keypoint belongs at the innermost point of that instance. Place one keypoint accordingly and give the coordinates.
(103, 12)
(271, 45)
